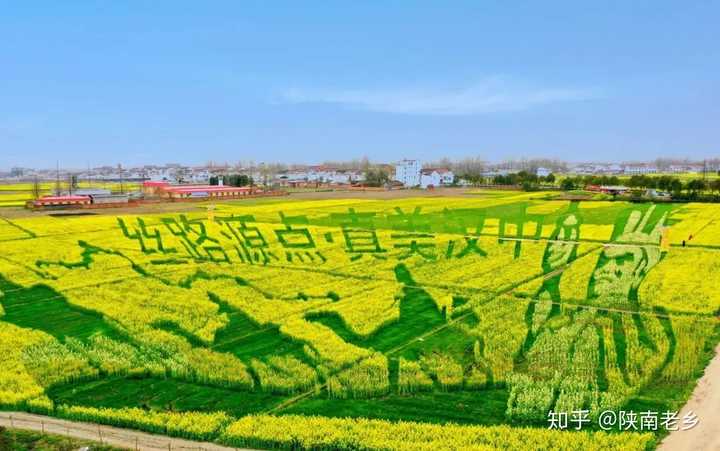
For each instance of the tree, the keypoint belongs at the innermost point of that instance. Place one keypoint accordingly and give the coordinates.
(550, 178)
(676, 187)
(237, 180)
(567, 184)
(376, 177)
(715, 185)
(636, 181)
(364, 164)
(665, 182)
(695, 186)
(527, 185)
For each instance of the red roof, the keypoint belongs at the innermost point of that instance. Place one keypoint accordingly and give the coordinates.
(322, 167)
(207, 188)
(151, 183)
(63, 199)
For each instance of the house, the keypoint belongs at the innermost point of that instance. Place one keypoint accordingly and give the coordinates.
(153, 188)
(92, 192)
(295, 176)
(339, 177)
(161, 175)
(110, 199)
(640, 169)
(614, 169)
(542, 172)
(596, 168)
(432, 177)
(356, 176)
(321, 174)
(199, 175)
(608, 189)
(164, 189)
(407, 172)
(204, 191)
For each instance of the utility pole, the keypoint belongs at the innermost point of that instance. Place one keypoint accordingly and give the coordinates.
(36, 188)
(57, 177)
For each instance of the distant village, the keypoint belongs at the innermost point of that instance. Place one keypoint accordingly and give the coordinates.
(409, 173)
(176, 182)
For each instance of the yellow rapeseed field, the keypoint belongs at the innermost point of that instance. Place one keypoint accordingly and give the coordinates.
(354, 307)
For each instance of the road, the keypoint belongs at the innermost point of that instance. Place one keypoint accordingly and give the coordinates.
(121, 438)
(705, 403)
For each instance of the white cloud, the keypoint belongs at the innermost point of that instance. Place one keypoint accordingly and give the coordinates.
(490, 95)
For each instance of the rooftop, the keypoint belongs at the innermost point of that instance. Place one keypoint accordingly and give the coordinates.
(62, 198)
(206, 188)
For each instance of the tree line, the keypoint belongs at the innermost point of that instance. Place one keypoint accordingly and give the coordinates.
(673, 185)
(232, 180)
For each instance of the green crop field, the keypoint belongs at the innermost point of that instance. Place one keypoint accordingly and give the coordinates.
(360, 323)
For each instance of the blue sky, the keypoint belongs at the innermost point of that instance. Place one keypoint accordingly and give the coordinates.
(173, 81)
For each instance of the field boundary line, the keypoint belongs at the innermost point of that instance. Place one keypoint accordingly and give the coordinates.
(108, 435)
(19, 227)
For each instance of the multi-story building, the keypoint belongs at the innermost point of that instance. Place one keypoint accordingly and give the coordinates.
(640, 169)
(407, 172)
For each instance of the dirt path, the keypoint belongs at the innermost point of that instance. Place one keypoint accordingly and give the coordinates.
(122, 438)
(705, 403)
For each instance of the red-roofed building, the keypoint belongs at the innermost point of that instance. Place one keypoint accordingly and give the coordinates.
(154, 188)
(164, 189)
(62, 201)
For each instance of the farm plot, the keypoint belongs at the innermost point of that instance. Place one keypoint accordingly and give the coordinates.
(484, 312)
(18, 194)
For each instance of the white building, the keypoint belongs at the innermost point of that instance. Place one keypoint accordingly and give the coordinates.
(162, 175)
(407, 172)
(614, 169)
(199, 175)
(542, 172)
(356, 176)
(677, 168)
(297, 176)
(322, 174)
(436, 177)
(640, 169)
(339, 177)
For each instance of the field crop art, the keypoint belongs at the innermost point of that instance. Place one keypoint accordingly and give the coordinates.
(476, 322)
